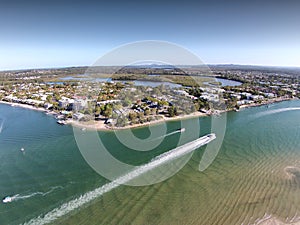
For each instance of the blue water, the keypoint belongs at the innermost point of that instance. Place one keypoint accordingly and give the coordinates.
(226, 82)
(246, 181)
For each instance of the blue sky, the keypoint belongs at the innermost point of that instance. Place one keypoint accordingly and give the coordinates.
(39, 34)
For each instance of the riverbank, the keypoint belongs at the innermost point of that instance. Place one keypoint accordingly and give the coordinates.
(101, 126)
(270, 101)
(24, 106)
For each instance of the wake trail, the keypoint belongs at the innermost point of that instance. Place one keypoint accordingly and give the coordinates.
(270, 112)
(91, 195)
(1, 124)
(166, 135)
(21, 197)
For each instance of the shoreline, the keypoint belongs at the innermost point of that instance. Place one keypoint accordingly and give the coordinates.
(271, 101)
(25, 106)
(101, 126)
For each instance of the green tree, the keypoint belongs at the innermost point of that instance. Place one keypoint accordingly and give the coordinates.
(57, 96)
(127, 102)
(55, 105)
(97, 110)
(49, 98)
(147, 112)
(172, 111)
(132, 116)
(121, 121)
(108, 111)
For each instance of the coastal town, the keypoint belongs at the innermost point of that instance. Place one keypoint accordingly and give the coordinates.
(123, 103)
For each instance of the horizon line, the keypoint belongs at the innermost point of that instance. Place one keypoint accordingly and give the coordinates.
(204, 64)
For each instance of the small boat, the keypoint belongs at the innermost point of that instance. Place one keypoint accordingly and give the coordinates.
(181, 130)
(83, 129)
(7, 199)
(59, 117)
(61, 122)
(22, 149)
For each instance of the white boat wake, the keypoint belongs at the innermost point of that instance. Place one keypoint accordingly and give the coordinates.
(91, 195)
(1, 124)
(21, 197)
(270, 112)
(166, 135)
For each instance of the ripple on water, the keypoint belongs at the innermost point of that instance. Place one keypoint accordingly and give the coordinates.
(270, 220)
(293, 173)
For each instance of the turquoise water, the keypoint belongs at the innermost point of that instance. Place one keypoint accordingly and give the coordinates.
(255, 174)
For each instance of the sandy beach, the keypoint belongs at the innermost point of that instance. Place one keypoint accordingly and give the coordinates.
(100, 125)
(24, 106)
(270, 101)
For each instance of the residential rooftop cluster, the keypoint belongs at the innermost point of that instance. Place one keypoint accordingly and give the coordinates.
(121, 103)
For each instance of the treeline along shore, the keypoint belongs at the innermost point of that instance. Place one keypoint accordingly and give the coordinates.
(154, 95)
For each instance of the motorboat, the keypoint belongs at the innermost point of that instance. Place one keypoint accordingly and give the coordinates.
(7, 199)
(61, 122)
(181, 129)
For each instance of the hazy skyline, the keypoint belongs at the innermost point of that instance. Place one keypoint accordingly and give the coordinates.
(74, 33)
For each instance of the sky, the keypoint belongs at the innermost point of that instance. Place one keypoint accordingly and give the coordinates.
(42, 34)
